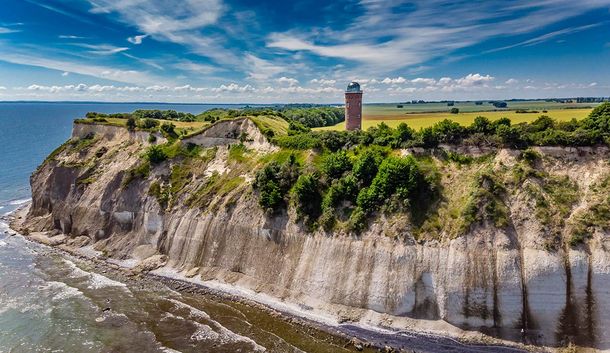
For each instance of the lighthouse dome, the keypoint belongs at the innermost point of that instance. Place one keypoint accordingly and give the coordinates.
(353, 87)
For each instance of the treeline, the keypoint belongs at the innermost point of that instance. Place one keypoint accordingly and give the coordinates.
(145, 114)
(593, 130)
(310, 117)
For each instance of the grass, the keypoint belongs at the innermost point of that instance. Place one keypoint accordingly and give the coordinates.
(181, 126)
(421, 120)
(278, 125)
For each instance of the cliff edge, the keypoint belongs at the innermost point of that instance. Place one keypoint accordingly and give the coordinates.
(513, 244)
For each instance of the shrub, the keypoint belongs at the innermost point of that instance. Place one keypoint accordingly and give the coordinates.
(156, 154)
(273, 182)
(131, 124)
(357, 220)
(148, 123)
(397, 175)
(169, 130)
(335, 164)
(454, 110)
(366, 165)
(306, 197)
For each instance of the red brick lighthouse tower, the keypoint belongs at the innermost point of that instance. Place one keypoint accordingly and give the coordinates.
(353, 107)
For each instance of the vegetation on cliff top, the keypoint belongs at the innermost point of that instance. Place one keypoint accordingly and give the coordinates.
(346, 180)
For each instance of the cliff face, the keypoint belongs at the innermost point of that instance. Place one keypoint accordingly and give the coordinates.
(496, 279)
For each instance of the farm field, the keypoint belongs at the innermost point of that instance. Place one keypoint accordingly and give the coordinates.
(418, 116)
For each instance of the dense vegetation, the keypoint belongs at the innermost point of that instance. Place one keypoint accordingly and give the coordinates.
(342, 180)
(310, 117)
(346, 186)
(543, 131)
(144, 114)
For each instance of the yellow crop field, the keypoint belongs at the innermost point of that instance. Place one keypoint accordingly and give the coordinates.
(421, 120)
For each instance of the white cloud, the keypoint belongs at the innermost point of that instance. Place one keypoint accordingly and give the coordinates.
(432, 29)
(233, 87)
(592, 84)
(137, 40)
(425, 81)
(511, 81)
(4, 30)
(101, 49)
(109, 73)
(181, 24)
(474, 80)
(288, 80)
(323, 82)
(261, 69)
(397, 80)
(546, 37)
(2, 88)
(65, 36)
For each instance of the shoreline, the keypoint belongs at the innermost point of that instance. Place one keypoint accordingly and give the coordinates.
(354, 336)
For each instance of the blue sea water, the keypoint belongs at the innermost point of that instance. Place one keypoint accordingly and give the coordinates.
(30, 131)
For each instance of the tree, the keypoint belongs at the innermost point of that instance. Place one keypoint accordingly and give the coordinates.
(149, 123)
(335, 164)
(131, 124)
(454, 110)
(306, 196)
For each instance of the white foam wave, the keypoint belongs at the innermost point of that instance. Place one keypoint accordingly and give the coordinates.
(219, 333)
(19, 202)
(62, 291)
(96, 281)
(3, 244)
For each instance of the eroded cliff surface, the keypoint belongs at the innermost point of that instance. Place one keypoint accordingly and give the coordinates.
(512, 243)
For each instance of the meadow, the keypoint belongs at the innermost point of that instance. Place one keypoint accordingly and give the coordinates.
(427, 114)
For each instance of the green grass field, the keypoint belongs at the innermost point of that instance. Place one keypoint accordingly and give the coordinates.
(392, 116)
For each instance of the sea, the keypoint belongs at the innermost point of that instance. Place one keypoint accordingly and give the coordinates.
(51, 302)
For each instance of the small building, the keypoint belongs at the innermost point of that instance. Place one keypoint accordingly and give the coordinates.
(353, 107)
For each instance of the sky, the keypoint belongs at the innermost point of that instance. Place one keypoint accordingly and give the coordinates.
(256, 51)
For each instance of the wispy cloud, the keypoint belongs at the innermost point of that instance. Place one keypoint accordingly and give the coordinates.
(103, 72)
(5, 30)
(101, 49)
(137, 40)
(385, 39)
(66, 36)
(546, 37)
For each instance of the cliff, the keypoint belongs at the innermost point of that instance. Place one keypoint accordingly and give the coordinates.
(535, 254)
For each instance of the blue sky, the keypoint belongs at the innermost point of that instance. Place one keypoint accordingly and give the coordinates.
(256, 51)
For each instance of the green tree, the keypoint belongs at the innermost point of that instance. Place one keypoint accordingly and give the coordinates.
(131, 124)
(335, 164)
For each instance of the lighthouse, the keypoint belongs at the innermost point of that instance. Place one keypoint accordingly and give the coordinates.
(353, 107)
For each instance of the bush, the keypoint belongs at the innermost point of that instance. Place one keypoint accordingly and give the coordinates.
(335, 164)
(306, 197)
(366, 165)
(397, 176)
(131, 124)
(156, 154)
(148, 123)
(274, 181)
(454, 110)
(169, 130)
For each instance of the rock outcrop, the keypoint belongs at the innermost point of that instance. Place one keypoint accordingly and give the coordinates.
(497, 280)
